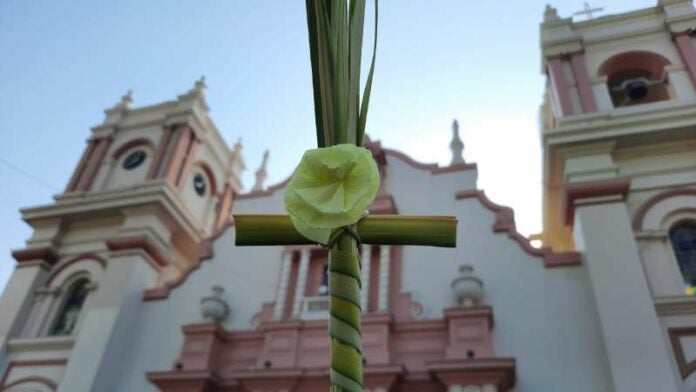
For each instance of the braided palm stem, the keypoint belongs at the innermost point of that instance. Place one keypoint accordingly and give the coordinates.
(344, 324)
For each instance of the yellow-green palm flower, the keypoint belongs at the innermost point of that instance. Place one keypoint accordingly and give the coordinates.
(331, 187)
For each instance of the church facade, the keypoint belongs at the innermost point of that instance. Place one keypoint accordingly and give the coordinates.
(131, 280)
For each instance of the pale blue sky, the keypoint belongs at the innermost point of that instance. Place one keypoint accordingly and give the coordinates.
(63, 62)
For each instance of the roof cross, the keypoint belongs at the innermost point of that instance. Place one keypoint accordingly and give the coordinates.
(588, 11)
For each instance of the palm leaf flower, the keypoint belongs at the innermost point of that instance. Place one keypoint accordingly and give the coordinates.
(332, 187)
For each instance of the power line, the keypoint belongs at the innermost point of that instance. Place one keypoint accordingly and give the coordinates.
(28, 175)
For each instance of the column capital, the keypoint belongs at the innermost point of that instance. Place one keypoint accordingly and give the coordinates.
(45, 254)
(594, 192)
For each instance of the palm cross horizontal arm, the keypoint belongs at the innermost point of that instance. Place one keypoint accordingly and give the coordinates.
(272, 229)
(333, 185)
(344, 272)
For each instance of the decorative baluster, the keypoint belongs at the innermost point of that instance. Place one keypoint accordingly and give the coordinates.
(285, 265)
(384, 259)
(365, 276)
(301, 282)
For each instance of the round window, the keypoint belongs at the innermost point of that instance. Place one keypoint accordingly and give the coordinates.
(134, 159)
(199, 184)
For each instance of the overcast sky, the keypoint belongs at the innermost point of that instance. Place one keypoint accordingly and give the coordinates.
(63, 62)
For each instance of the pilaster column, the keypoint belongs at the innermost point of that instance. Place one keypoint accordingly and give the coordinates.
(31, 271)
(44, 300)
(629, 323)
(282, 292)
(187, 161)
(582, 80)
(77, 174)
(301, 282)
(365, 276)
(179, 148)
(225, 207)
(93, 164)
(559, 88)
(105, 336)
(687, 52)
(160, 152)
(383, 302)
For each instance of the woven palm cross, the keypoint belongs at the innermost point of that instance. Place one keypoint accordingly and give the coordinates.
(335, 36)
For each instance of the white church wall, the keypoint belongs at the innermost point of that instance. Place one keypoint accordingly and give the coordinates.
(546, 318)
(249, 276)
(203, 207)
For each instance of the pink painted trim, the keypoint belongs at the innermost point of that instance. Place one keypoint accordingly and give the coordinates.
(46, 254)
(41, 380)
(268, 192)
(505, 222)
(584, 190)
(482, 312)
(123, 148)
(582, 79)
(373, 287)
(160, 152)
(497, 371)
(640, 213)
(195, 381)
(139, 242)
(383, 204)
(176, 157)
(415, 351)
(65, 264)
(648, 60)
(264, 315)
(77, 174)
(559, 87)
(686, 50)
(224, 207)
(211, 177)
(433, 168)
(205, 252)
(189, 163)
(686, 367)
(93, 164)
(315, 272)
(292, 287)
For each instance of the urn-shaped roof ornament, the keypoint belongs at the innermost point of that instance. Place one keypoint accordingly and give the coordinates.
(467, 289)
(214, 307)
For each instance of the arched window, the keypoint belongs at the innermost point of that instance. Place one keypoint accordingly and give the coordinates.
(683, 238)
(70, 311)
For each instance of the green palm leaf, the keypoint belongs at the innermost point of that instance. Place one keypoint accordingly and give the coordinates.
(335, 30)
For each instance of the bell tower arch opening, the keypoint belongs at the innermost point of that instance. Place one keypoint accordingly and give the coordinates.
(636, 77)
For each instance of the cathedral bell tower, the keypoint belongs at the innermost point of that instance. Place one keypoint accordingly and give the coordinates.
(619, 139)
(153, 186)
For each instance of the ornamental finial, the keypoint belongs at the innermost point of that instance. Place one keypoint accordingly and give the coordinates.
(199, 87)
(126, 100)
(550, 13)
(456, 145)
(261, 174)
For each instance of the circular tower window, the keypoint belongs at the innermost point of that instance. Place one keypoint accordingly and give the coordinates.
(134, 159)
(199, 184)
